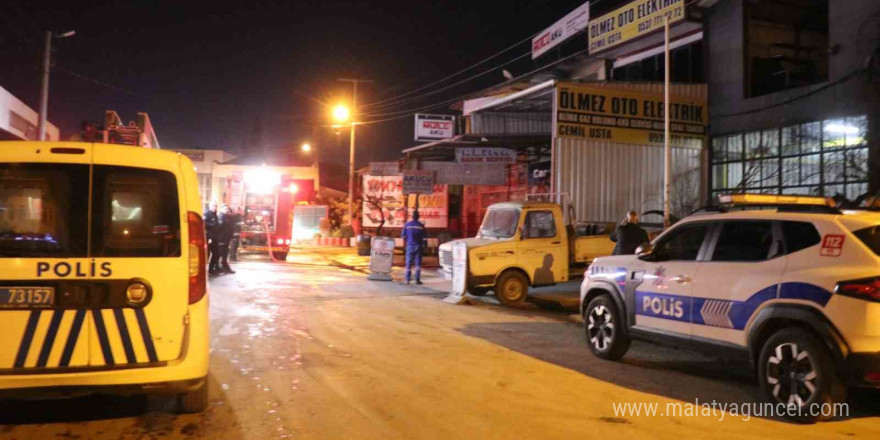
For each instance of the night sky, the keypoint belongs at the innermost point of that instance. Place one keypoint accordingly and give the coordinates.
(208, 73)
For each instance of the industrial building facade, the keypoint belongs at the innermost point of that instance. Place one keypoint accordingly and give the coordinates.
(794, 95)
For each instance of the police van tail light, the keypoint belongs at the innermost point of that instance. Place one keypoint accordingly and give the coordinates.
(866, 288)
(198, 283)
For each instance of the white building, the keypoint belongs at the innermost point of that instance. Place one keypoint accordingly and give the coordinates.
(210, 186)
(19, 122)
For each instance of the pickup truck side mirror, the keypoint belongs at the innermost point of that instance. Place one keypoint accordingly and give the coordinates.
(645, 251)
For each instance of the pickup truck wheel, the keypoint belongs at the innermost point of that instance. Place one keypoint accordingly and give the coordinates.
(512, 288)
(603, 328)
(478, 291)
(796, 369)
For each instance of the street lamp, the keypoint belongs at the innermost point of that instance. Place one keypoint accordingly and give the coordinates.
(306, 147)
(341, 113)
(44, 90)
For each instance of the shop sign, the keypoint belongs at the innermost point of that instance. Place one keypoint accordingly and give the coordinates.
(433, 208)
(434, 127)
(418, 182)
(539, 178)
(383, 195)
(635, 20)
(628, 117)
(485, 155)
(562, 30)
(384, 169)
(451, 173)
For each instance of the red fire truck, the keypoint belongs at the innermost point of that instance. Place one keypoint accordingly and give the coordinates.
(266, 200)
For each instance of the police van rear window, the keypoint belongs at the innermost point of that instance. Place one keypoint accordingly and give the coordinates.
(43, 210)
(135, 213)
(871, 237)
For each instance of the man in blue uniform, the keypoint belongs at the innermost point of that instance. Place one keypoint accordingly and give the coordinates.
(413, 235)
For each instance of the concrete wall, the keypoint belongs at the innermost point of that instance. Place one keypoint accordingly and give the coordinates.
(853, 24)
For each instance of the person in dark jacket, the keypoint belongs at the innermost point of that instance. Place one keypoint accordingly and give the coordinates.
(628, 235)
(226, 229)
(212, 223)
(236, 235)
(413, 235)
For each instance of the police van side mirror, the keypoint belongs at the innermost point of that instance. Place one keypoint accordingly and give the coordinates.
(645, 251)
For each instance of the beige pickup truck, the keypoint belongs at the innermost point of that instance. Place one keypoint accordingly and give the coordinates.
(523, 244)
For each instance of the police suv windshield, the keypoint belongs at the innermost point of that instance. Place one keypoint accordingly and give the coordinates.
(500, 223)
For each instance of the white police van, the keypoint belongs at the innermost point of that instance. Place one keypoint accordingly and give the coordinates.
(789, 284)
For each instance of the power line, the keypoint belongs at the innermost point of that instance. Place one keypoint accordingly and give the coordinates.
(449, 86)
(449, 101)
(453, 75)
(103, 84)
(390, 102)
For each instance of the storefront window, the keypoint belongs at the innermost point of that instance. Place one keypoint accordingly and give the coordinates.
(753, 145)
(790, 138)
(720, 176)
(719, 148)
(734, 147)
(810, 137)
(818, 158)
(770, 142)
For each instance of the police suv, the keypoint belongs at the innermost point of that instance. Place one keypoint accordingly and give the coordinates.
(102, 272)
(789, 284)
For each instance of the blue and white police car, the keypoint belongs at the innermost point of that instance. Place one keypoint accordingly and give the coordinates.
(788, 283)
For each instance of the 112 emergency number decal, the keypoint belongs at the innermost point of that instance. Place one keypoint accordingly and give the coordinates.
(832, 245)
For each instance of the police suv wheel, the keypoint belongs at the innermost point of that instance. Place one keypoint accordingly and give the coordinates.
(512, 288)
(603, 329)
(795, 368)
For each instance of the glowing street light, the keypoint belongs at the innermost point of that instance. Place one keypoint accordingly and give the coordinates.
(306, 147)
(341, 113)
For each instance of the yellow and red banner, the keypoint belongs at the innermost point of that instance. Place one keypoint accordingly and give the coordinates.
(599, 113)
(635, 20)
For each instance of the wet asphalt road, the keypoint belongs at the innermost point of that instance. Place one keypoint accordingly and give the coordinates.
(317, 352)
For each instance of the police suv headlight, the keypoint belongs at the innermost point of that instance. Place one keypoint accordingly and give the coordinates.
(138, 293)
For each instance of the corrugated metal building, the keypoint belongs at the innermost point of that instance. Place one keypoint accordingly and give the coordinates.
(603, 178)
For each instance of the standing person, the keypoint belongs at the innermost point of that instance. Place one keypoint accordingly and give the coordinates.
(413, 235)
(236, 235)
(226, 230)
(628, 235)
(212, 223)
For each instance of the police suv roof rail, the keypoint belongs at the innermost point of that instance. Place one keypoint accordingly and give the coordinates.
(782, 203)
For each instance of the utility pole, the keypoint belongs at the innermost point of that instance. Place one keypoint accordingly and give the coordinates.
(44, 89)
(354, 84)
(667, 149)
